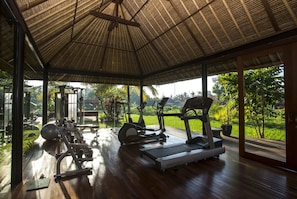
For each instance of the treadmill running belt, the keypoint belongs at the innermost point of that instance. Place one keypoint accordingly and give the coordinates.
(162, 152)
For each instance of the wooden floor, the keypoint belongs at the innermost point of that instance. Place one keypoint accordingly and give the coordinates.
(120, 172)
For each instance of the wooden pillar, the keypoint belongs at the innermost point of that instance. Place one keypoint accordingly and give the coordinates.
(17, 108)
(141, 92)
(240, 69)
(204, 80)
(204, 92)
(128, 103)
(45, 97)
(128, 98)
(290, 59)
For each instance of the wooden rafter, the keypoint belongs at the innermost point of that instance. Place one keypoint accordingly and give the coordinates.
(248, 14)
(234, 20)
(172, 37)
(134, 50)
(188, 28)
(270, 15)
(205, 20)
(290, 11)
(31, 4)
(114, 18)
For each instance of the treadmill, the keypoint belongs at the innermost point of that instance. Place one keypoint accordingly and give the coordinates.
(194, 149)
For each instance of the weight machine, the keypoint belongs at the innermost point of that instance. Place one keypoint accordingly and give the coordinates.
(6, 114)
(66, 103)
(194, 149)
(75, 145)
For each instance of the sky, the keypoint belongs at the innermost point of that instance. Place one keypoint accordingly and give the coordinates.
(166, 90)
(188, 86)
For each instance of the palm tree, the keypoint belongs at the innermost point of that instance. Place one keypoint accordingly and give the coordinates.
(110, 93)
(145, 94)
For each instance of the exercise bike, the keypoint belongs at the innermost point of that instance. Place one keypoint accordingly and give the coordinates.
(136, 132)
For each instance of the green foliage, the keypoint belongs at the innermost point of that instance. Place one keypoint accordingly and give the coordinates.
(112, 108)
(29, 138)
(274, 131)
(226, 90)
(274, 128)
(5, 79)
(263, 92)
(226, 112)
(110, 97)
(226, 87)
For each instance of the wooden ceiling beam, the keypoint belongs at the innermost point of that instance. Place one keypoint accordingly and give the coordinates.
(188, 28)
(244, 50)
(270, 15)
(133, 46)
(31, 4)
(178, 23)
(97, 74)
(114, 18)
(16, 15)
(6, 66)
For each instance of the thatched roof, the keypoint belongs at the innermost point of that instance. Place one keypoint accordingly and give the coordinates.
(153, 41)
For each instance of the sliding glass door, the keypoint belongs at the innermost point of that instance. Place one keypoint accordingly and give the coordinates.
(264, 108)
(268, 109)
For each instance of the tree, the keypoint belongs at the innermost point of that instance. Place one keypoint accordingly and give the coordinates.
(5, 78)
(35, 100)
(135, 93)
(263, 91)
(226, 90)
(110, 96)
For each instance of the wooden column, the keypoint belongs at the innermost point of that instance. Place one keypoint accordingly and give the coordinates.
(204, 91)
(204, 80)
(45, 97)
(141, 92)
(290, 58)
(128, 98)
(17, 108)
(240, 69)
(128, 102)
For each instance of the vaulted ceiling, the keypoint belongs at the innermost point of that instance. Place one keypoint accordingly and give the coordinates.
(153, 41)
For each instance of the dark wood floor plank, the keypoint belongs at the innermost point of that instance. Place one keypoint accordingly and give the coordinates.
(121, 172)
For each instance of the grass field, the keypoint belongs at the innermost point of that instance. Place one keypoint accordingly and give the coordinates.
(275, 128)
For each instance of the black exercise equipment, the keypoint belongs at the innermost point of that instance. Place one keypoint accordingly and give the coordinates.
(137, 132)
(5, 114)
(140, 121)
(69, 135)
(198, 148)
(66, 103)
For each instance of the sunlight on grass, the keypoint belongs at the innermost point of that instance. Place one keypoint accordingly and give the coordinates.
(275, 129)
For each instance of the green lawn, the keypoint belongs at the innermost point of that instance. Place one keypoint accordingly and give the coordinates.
(275, 128)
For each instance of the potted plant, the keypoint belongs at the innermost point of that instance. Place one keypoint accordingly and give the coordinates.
(225, 114)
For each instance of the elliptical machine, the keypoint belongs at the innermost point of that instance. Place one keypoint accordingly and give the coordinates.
(140, 121)
(132, 132)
